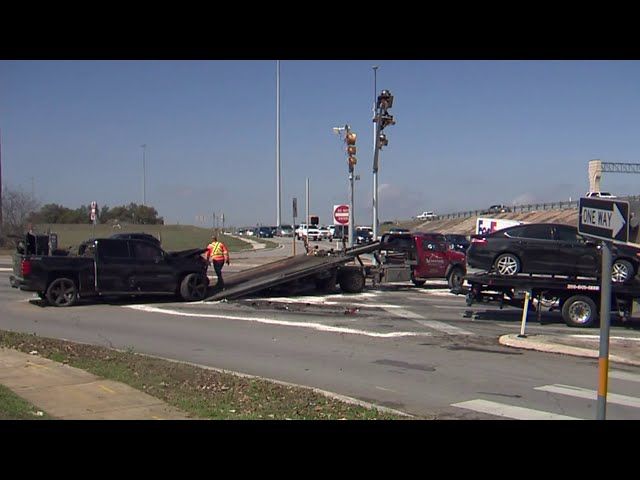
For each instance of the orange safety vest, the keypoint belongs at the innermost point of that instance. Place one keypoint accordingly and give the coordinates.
(217, 251)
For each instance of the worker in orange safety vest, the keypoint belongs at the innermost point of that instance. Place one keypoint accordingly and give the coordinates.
(217, 255)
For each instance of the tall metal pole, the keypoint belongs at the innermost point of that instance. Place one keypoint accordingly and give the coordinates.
(375, 156)
(144, 174)
(306, 203)
(605, 320)
(1, 218)
(351, 211)
(278, 187)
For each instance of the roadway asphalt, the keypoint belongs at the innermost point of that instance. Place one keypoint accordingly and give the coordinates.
(66, 392)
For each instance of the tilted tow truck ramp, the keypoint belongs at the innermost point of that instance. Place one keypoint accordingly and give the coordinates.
(287, 270)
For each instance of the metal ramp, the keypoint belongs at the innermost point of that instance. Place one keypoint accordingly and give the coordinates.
(286, 270)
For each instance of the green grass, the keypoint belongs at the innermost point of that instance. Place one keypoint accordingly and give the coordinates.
(204, 393)
(173, 237)
(13, 407)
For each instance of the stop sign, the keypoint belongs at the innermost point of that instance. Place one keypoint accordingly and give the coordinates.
(341, 214)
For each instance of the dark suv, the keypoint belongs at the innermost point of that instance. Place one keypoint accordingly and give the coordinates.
(263, 232)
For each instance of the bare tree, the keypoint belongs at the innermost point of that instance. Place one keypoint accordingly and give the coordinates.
(16, 208)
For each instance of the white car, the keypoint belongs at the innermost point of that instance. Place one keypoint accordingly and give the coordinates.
(600, 195)
(426, 216)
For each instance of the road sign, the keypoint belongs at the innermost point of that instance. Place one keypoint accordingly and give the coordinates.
(604, 218)
(295, 207)
(341, 214)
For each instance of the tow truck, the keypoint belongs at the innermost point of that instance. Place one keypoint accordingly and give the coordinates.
(578, 298)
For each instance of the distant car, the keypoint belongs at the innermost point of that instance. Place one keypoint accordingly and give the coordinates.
(500, 208)
(137, 236)
(263, 232)
(548, 248)
(600, 195)
(460, 242)
(426, 216)
(364, 235)
(286, 231)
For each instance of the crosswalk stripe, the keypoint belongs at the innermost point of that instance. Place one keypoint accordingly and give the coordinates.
(400, 312)
(620, 375)
(590, 394)
(510, 411)
(444, 327)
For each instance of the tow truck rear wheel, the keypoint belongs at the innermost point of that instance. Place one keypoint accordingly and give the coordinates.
(194, 287)
(580, 311)
(62, 292)
(351, 281)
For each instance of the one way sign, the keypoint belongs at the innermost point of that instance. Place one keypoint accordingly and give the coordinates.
(604, 218)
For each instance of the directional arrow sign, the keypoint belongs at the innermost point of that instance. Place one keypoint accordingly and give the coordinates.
(604, 218)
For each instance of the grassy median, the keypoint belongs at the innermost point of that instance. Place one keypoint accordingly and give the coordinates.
(203, 393)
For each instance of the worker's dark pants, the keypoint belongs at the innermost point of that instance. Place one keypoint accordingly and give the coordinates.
(217, 266)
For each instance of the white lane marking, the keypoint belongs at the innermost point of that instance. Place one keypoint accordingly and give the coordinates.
(400, 312)
(444, 327)
(6, 269)
(322, 301)
(620, 375)
(509, 411)
(443, 293)
(385, 389)
(313, 326)
(596, 337)
(590, 394)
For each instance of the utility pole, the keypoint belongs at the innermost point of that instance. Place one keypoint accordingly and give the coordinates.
(375, 152)
(381, 119)
(350, 141)
(278, 176)
(306, 203)
(144, 174)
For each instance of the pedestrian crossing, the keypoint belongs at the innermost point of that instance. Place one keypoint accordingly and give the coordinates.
(518, 412)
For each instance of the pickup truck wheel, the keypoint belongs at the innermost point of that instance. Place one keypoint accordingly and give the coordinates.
(352, 281)
(194, 287)
(62, 292)
(579, 311)
(416, 282)
(507, 264)
(456, 278)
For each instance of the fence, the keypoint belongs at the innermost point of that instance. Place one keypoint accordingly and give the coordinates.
(530, 207)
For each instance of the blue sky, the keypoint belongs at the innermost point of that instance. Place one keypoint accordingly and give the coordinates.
(469, 134)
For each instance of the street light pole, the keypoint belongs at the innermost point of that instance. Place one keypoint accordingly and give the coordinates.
(375, 155)
(278, 186)
(144, 174)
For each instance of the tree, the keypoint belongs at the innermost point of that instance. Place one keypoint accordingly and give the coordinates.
(17, 206)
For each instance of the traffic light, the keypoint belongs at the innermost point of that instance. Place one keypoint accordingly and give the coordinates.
(350, 140)
(383, 141)
(386, 120)
(385, 100)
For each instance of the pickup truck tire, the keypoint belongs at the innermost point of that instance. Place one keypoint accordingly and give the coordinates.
(416, 282)
(62, 292)
(580, 311)
(507, 264)
(455, 278)
(194, 287)
(351, 281)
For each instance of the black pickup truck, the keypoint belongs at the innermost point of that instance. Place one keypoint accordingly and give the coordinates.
(113, 267)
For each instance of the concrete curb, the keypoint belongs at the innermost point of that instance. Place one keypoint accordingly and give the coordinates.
(543, 343)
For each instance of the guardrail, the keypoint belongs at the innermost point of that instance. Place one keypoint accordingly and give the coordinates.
(530, 207)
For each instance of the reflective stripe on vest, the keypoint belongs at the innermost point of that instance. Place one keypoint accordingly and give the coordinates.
(216, 251)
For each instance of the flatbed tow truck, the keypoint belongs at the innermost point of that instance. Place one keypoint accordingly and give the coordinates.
(578, 298)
